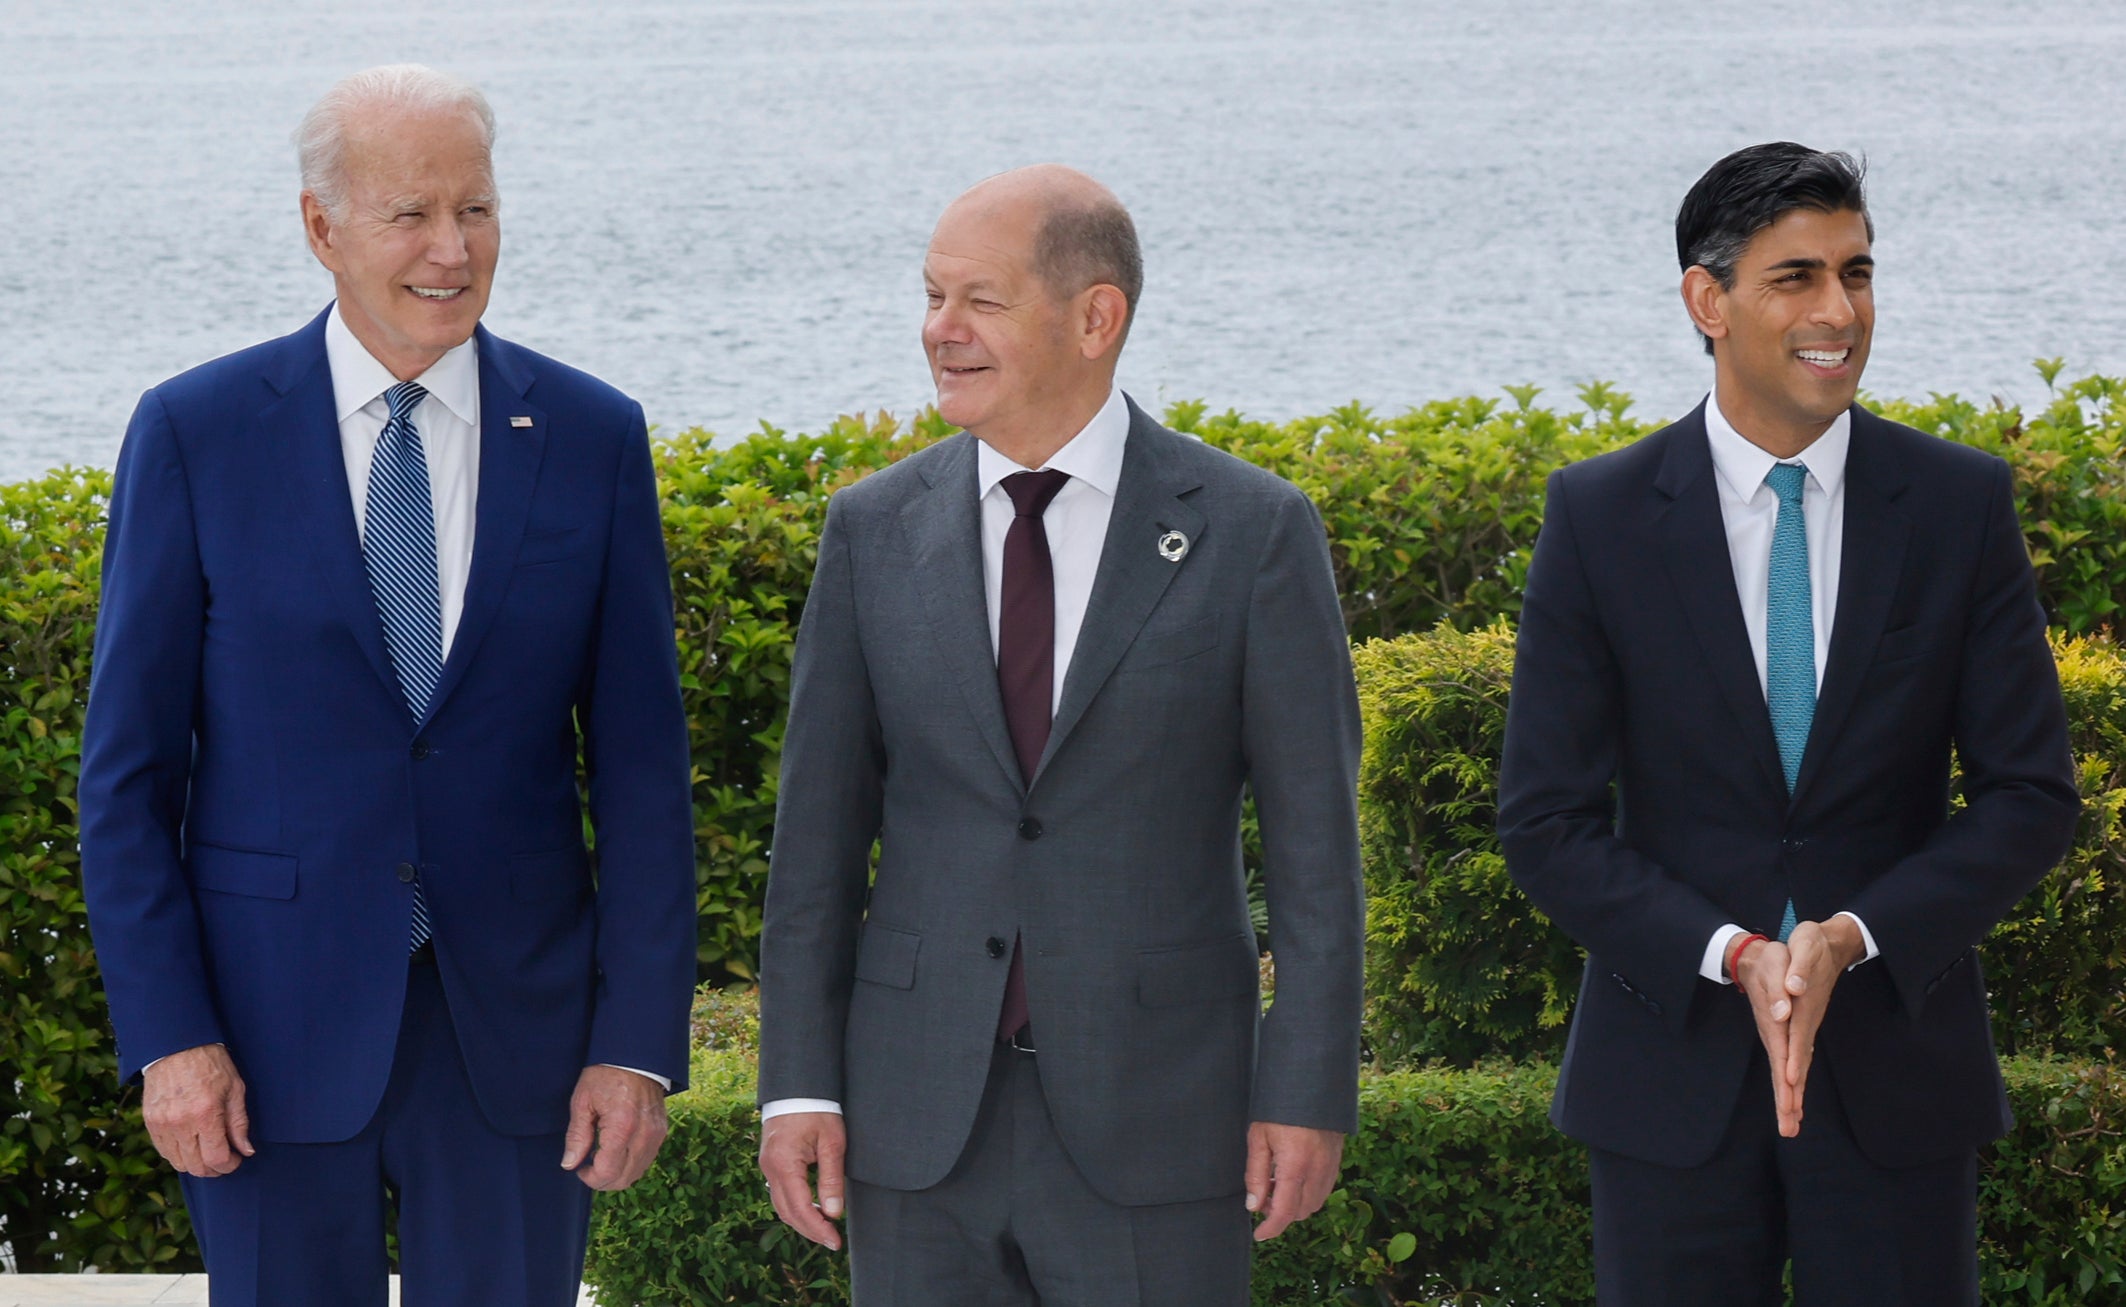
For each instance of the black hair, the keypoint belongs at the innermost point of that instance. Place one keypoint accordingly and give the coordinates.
(1750, 190)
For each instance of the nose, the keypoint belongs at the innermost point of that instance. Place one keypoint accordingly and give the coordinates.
(1834, 307)
(446, 246)
(944, 324)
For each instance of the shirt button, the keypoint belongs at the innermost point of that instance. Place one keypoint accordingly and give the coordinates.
(995, 947)
(406, 873)
(1029, 828)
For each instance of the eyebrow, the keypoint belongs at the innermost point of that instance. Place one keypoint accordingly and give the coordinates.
(1811, 265)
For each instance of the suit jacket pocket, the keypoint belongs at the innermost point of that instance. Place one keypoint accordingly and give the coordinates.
(1198, 973)
(550, 546)
(242, 871)
(549, 875)
(1909, 642)
(1161, 648)
(885, 956)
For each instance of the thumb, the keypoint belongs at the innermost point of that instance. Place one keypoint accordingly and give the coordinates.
(239, 1121)
(576, 1144)
(1258, 1172)
(830, 1181)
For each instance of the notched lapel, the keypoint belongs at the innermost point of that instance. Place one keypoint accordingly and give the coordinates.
(510, 456)
(944, 533)
(1133, 574)
(1694, 547)
(304, 424)
(1870, 565)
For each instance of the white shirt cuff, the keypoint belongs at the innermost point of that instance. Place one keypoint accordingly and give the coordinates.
(663, 1082)
(785, 1106)
(1712, 966)
(1866, 938)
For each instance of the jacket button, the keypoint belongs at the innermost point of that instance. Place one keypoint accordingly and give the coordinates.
(1029, 828)
(406, 873)
(996, 947)
(420, 750)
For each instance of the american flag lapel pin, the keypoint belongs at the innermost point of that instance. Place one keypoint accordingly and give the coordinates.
(520, 420)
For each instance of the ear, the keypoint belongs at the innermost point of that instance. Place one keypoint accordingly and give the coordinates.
(1706, 301)
(318, 230)
(1103, 313)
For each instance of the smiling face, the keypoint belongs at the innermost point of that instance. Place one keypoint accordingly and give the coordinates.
(1001, 350)
(413, 253)
(1791, 336)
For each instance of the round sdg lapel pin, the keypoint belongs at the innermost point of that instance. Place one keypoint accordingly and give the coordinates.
(1173, 546)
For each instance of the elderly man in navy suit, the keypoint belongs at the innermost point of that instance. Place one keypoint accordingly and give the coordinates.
(368, 588)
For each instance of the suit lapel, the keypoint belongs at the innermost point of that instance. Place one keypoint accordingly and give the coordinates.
(944, 531)
(1870, 563)
(1694, 545)
(305, 424)
(1132, 575)
(509, 468)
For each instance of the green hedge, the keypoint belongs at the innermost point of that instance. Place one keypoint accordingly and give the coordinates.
(1431, 516)
(1461, 967)
(1456, 1189)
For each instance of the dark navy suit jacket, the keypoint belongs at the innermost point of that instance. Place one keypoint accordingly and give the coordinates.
(1642, 804)
(253, 782)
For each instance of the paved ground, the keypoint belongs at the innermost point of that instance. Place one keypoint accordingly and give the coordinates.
(127, 1290)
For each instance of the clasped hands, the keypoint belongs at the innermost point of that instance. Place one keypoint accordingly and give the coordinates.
(1290, 1171)
(193, 1104)
(1789, 988)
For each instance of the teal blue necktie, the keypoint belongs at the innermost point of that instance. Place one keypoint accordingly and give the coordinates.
(1790, 634)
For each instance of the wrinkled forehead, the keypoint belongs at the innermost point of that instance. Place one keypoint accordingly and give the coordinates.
(431, 144)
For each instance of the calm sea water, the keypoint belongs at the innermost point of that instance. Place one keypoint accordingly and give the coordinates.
(721, 206)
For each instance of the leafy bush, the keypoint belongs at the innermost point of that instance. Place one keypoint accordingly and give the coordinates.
(1456, 1189)
(79, 1181)
(1460, 966)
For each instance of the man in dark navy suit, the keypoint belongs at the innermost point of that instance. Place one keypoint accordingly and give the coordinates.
(1749, 646)
(367, 589)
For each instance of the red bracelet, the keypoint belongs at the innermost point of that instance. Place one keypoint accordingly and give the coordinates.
(1734, 958)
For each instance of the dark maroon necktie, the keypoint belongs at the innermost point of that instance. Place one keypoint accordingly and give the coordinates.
(1026, 661)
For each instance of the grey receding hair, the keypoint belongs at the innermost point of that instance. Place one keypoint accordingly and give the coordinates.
(1088, 244)
(321, 139)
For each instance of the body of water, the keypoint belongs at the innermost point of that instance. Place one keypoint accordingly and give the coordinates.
(721, 206)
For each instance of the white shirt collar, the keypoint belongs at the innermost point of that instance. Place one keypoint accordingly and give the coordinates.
(1093, 456)
(1742, 466)
(357, 377)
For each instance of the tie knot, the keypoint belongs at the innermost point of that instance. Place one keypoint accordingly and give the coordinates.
(1786, 480)
(1031, 491)
(404, 398)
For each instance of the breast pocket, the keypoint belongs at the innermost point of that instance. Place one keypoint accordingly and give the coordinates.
(541, 547)
(1910, 642)
(1155, 649)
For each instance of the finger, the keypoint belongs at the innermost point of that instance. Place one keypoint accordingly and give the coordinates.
(1285, 1194)
(582, 1131)
(832, 1183)
(214, 1151)
(186, 1159)
(1257, 1178)
(239, 1120)
(791, 1189)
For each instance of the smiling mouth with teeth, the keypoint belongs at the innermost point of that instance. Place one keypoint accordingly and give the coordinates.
(1824, 357)
(437, 292)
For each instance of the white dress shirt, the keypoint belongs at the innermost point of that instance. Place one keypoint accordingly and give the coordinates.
(1076, 525)
(1749, 509)
(449, 422)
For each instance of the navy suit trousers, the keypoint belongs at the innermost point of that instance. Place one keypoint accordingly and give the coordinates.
(483, 1217)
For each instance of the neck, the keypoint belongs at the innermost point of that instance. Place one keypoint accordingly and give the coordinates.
(1782, 435)
(1031, 440)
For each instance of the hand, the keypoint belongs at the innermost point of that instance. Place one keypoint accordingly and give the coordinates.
(616, 1120)
(790, 1145)
(1760, 972)
(1817, 955)
(1291, 1169)
(193, 1103)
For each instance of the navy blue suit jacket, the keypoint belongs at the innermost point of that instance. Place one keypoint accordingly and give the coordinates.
(1642, 805)
(252, 779)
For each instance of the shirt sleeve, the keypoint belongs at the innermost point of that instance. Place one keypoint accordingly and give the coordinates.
(786, 1106)
(1712, 966)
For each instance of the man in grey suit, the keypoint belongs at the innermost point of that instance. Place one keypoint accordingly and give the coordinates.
(1039, 666)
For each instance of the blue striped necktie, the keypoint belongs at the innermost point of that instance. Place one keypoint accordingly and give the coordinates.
(1790, 634)
(399, 551)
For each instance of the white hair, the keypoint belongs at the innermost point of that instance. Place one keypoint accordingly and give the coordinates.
(321, 139)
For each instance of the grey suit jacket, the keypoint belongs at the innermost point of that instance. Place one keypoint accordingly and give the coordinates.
(1119, 866)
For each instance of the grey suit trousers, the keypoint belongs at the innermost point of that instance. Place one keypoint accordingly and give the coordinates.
(1014, 1224)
